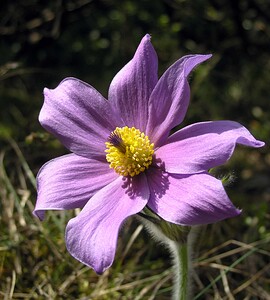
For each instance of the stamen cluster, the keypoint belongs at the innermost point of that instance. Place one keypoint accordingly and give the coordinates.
(129, 151)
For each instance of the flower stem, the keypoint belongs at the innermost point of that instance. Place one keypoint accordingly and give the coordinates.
(179, 241)
(181, 269)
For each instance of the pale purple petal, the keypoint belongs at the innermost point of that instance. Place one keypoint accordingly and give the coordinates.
(131, 88)
(91, 237)
(189, 199)
(202, 146)
(170, 98)
(78, 116)
(69, 181)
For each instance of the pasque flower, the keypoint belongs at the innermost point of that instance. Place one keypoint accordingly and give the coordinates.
(124, 158)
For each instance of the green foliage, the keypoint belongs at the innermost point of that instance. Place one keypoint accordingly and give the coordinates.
(41, 42)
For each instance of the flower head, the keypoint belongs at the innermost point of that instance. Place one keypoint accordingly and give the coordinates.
(124, 159)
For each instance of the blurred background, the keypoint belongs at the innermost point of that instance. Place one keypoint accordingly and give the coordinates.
(42, 42)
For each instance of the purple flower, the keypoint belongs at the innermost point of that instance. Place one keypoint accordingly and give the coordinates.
(124, 159)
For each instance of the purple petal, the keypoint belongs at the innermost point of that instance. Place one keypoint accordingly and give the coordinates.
(131, 87)
(202, 146)
(189, 199)
(78, 116)
(91, 237)
(69, 181)
(170, 98)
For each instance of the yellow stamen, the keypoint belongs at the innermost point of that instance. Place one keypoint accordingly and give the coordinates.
(129, 151)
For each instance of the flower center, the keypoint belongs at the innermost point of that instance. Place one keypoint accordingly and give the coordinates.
(129, 151)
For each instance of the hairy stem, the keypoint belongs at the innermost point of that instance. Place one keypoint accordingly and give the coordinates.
(179, 241)
(181, 270)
